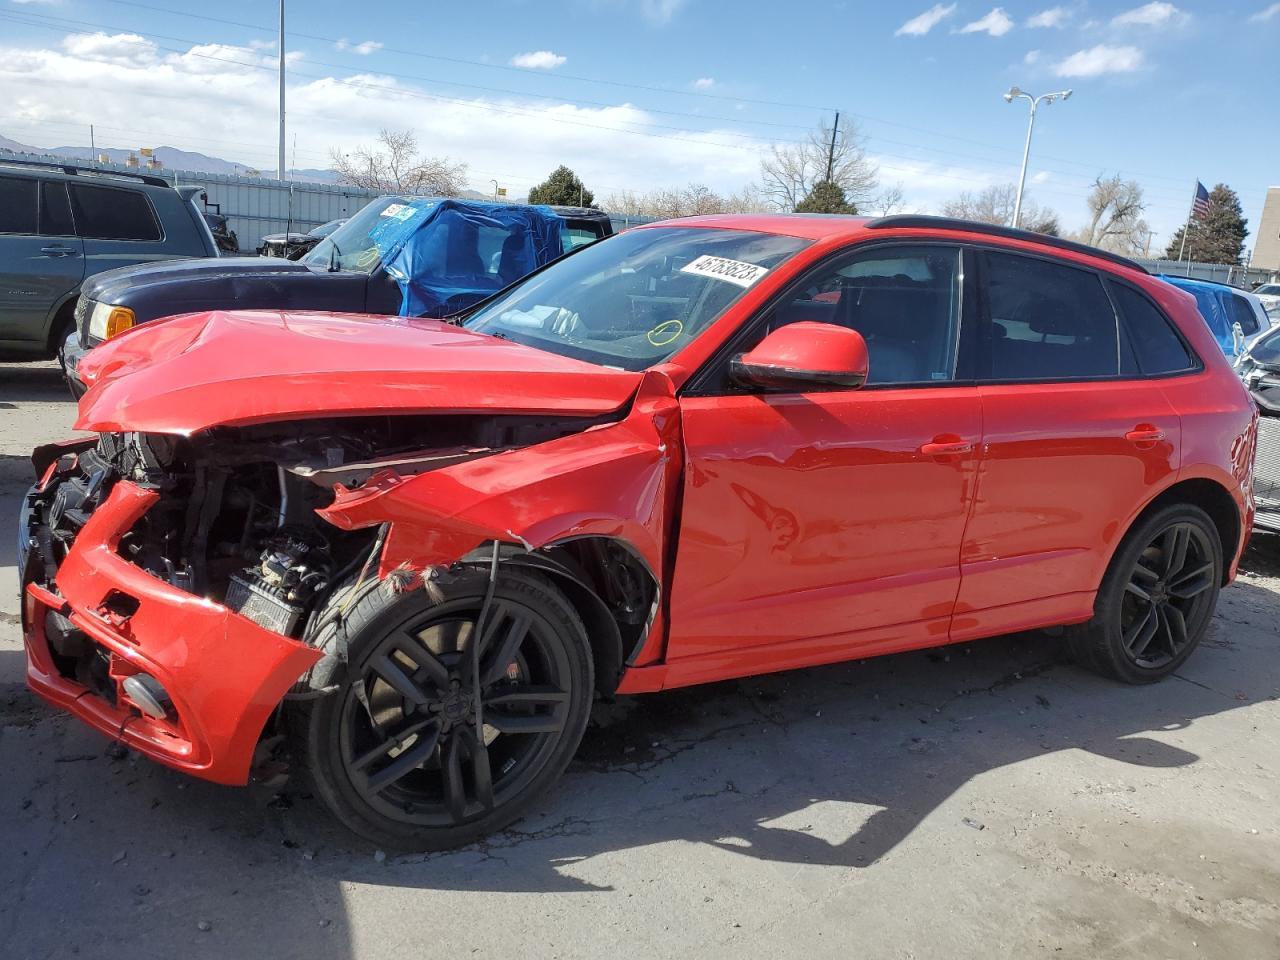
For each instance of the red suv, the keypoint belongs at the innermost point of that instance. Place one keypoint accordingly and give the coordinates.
(702, 449)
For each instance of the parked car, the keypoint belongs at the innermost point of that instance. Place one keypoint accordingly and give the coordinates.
(223, 236)
(61, 223)
(1269, 295)
(345, 271)
(1235, 316)
(291, 246)
(697, 450)
(1259, 368)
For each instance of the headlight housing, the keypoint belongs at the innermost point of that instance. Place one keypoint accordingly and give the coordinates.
(107, 321)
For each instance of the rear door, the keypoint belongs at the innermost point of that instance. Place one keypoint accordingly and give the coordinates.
(41, 259)
(118, 225)
(1076, 439)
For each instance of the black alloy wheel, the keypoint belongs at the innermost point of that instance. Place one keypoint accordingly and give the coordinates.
(397, 753)
(1168, 589)
(1157, 599)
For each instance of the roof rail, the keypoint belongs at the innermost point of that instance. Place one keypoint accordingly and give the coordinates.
(918, 220)
(76, 170)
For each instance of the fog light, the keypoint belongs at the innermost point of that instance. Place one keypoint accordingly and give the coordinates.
(151, 698)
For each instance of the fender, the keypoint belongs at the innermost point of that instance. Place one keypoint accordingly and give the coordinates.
(619, 480)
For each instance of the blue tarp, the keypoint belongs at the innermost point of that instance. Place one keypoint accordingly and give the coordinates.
(449, 254)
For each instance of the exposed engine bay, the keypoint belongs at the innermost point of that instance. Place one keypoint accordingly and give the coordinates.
(235, 521)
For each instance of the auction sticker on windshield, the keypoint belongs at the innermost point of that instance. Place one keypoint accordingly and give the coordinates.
(722, 268)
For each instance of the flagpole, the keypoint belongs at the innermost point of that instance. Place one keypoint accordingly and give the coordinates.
(1186, 227)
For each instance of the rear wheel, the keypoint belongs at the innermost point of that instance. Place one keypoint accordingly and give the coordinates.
(395, 751)
(1157, 598)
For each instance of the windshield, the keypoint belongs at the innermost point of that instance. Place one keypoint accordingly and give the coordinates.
(325, 228)
(1268, 290)
(633, 300)
(350, 246)
(1267, 349)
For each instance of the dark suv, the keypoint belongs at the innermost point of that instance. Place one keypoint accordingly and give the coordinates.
(344, 271)
(62, 223)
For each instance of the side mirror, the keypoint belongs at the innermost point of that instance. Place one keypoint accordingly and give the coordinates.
(804, 356)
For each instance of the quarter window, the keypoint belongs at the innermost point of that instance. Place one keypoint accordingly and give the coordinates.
(905, 301)
(110, 213)
(17, 205)
(1048, 321)
(1157, 347)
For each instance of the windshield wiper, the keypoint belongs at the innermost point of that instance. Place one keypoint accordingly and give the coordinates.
(333, 256)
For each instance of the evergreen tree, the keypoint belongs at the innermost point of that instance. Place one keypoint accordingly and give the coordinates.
(826, 197)
(562, 188)
(1219, 237)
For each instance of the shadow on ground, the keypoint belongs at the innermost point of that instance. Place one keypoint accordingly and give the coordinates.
(106, 847)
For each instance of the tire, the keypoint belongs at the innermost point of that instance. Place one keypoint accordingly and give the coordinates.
(392, 748)
(1157, 598)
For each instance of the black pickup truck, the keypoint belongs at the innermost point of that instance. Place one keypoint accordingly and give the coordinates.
(344, 272)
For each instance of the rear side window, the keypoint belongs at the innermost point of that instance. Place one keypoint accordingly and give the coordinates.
(109, 213)
(55, 211)
(1243, 314)
(1155, 344)
(17, 205)
(1048, 321)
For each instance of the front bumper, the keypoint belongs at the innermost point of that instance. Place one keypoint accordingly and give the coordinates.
(223, 673)
(70, 353)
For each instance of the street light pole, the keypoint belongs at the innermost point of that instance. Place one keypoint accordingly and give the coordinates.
(1017, 94)
(280, 159)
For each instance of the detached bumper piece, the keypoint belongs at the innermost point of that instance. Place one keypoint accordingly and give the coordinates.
(182, 679)
(1266, 475)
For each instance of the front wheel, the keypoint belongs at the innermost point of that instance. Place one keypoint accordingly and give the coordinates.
(1157, 598)
(395, 751)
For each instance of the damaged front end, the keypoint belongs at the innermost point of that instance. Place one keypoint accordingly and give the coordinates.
(172, 583)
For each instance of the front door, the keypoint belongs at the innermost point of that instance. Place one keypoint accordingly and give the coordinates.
(819, 526)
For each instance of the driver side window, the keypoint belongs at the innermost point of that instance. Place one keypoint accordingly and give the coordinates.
(904, 300)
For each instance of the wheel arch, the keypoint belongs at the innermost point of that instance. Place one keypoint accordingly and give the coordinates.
(1214, 499)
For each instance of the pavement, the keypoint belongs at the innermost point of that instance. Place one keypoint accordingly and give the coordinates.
(985, 800)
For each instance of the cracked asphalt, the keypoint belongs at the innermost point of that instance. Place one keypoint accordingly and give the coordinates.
(986, 800)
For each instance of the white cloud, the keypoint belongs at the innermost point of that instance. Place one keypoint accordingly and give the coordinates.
(538, 60)
(704, 83)
(1053, 17)
(120, 48)
(1031, 57)
(1100, 60)
(660, 11)
(1042, 176)
(50, 3)
(919, 26)
(1263, 15)
(1158, 13)
(364, 47)
(997, 23)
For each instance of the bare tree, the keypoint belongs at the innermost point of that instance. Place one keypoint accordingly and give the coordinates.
(393, 165)
(789, 173)
(888, 201)
(1115, 216)
(995, 204)
(693, 200)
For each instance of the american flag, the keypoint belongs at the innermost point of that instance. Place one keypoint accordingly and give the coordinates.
(1200, 204)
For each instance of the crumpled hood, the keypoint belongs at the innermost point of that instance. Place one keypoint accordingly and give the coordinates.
(188, 373)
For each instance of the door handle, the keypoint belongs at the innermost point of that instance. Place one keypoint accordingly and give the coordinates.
(943, 448)
(1145, 433)
(57, 251)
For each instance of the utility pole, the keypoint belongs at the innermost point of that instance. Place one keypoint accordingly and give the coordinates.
(280, 159)
(831, 151)
(93, 148)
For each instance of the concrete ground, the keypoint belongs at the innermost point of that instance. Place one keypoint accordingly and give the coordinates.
(988, 800)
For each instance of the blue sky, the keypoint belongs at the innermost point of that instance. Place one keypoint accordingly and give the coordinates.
(641, 94)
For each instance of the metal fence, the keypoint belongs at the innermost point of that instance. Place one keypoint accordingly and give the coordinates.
(1237, 276)
(253, 206)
